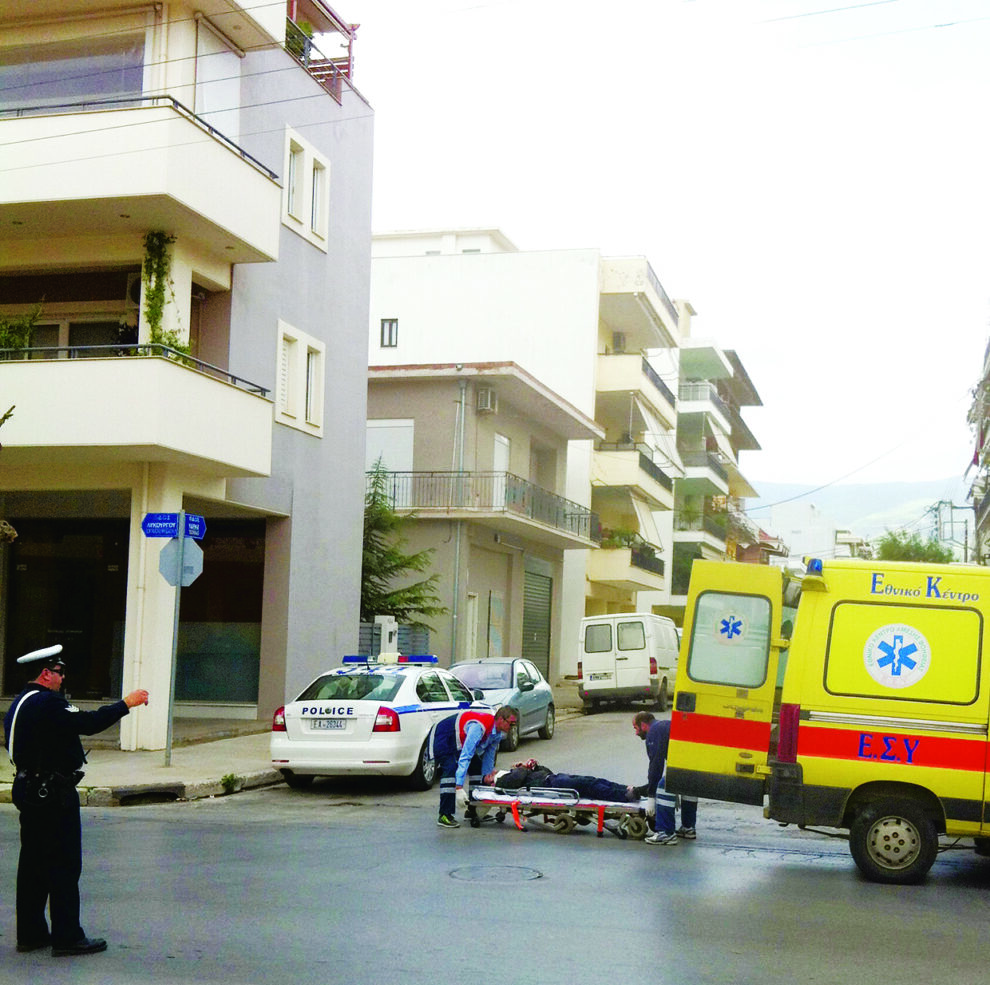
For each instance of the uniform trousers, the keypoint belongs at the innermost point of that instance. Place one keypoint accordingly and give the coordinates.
(48, 869)
(443, 749)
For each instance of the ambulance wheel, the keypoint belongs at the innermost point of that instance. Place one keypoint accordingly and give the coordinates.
(511, 741)
(893, 841)
(425, 773)
(635, 827)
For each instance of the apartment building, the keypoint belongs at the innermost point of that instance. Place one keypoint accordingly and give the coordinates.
(221, 148)
(477, 453)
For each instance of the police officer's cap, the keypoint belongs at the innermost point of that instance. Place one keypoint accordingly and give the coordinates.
(46, 658)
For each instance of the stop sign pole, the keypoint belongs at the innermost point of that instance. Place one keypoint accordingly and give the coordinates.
(181, 538)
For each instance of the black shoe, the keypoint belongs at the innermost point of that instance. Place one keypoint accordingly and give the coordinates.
(85, 945)
(25, 947)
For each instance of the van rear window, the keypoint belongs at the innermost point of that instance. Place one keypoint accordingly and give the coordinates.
(598, 638)
(631, 635)
(904, 652)
(730, 641)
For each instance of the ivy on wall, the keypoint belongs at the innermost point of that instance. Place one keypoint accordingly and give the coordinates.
(156, 276)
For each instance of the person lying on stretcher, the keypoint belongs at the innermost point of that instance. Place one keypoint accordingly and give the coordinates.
(532, 774)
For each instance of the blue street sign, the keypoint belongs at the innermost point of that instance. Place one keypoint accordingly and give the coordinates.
(160, 524)
(195, 526)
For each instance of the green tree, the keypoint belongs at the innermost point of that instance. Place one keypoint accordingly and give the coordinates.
(384, 563)
(899, 545)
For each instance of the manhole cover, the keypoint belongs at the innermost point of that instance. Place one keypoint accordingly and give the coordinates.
(495, 873)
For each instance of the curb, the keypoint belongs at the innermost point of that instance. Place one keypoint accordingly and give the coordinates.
(139, 793)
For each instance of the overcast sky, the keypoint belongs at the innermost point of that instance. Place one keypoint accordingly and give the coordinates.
(811, 175)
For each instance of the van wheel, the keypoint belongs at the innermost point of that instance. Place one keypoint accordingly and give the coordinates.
(297, 781)
(425, 773)
(662, 704)
(547, 731)
(893, 841)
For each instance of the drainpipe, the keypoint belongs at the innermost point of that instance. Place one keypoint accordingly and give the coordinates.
(459, 524)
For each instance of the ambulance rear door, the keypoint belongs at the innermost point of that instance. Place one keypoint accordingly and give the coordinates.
(726, 680)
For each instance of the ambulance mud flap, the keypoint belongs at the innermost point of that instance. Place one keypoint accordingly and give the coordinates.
(791, 801)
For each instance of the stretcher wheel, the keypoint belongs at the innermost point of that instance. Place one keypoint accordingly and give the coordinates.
(500, 816)
(563, 824)
(583, 819)
(635, 827)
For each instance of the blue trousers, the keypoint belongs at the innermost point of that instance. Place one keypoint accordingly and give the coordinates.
(666, 820)
(443, 749)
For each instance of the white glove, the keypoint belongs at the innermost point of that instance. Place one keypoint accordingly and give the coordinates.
(651, 807)
(462, 798)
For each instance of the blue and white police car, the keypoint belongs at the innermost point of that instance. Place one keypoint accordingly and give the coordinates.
(370, 717)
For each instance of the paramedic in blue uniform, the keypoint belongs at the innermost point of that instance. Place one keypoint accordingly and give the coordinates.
(656, 735)
(464, 747)
(42, 734)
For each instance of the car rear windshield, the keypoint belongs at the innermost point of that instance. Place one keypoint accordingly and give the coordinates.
(482, 676)
(353, 687)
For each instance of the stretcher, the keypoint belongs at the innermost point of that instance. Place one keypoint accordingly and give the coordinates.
(560, 808)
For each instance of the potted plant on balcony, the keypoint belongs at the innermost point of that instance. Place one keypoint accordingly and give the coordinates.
(16, 332)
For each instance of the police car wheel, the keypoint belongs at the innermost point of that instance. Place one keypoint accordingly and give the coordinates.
(425, 773)
(297, 781)
(893, 841)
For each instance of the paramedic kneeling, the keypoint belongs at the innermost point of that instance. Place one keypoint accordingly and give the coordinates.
(42, 735)
(464, 747)
(656, 735)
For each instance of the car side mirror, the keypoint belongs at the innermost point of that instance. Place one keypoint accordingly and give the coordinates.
(526, 686)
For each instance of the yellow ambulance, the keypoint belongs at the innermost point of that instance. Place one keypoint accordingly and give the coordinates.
(851, 698)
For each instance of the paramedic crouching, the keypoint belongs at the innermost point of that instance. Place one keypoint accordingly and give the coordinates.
(464, 747)
(42, 736)
(656, 735)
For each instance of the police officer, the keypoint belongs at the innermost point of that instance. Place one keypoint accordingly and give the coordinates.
(466, 740)
(42, 737)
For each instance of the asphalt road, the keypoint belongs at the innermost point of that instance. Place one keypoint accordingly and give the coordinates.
(354, 883)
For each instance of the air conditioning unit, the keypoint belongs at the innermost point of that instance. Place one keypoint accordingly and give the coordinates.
(487, 401)
(618, 341)
(133, 299)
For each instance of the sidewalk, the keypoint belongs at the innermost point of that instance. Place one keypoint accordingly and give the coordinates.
(204, 753)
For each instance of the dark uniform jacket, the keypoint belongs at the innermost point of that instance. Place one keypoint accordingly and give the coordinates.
(46, 734)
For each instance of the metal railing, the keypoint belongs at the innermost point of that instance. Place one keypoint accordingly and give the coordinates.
(703, 392)
(491, 492)
(658, 287)
(127, 351)
(646, 463)
(652, 469)
(646, 560)
(705, 460)
(139, 102)
(325, 70)
(651, 374)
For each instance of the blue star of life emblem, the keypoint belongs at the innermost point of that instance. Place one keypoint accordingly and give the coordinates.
(730, 627)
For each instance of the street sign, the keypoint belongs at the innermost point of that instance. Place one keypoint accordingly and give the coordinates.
(160, 524)
(192, 562)
(195, 526)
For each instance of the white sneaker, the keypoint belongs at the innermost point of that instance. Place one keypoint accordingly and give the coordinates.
(661, 838)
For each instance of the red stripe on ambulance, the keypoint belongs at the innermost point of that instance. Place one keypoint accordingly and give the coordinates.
(712, 730)
(939, 752)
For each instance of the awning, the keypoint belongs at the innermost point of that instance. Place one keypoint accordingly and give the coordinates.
(647, 525)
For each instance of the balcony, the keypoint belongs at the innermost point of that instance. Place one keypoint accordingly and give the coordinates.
(634, 302)
(628, 569)
(704, 474)
(630, 466)
(623, 377)
(118, 168)
(497, 499)
(101, 407)
(704, 531)
(703, 398)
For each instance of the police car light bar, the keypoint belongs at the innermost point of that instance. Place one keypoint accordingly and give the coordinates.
(392, 658)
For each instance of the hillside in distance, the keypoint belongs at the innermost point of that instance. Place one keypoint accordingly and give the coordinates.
(866, 509)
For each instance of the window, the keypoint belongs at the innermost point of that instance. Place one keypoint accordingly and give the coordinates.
(299, 381)
(390, 333)
(631, 635)
(730, 642)
(598, 638)
(429, 688)
(306, 195)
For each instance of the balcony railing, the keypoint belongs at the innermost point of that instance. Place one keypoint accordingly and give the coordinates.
(652, 375)
(646, 463)
(658, 287)
(703, 392)
(326, 71)
(646, 559)
(124, 351)
(704, 460)
(491, 492)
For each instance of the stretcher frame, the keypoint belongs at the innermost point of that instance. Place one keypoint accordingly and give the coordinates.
(561, 808)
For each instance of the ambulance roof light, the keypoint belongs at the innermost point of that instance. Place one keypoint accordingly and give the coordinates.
(814, 566)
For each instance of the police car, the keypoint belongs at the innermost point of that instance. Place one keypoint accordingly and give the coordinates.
(370, 717)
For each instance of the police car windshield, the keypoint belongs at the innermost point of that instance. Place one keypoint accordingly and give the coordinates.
(353, 687)
(485, 676)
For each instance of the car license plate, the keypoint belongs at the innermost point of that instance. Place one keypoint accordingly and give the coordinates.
(599, 677)
(329, 723)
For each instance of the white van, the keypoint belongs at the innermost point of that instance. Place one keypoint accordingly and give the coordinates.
(631, 656)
